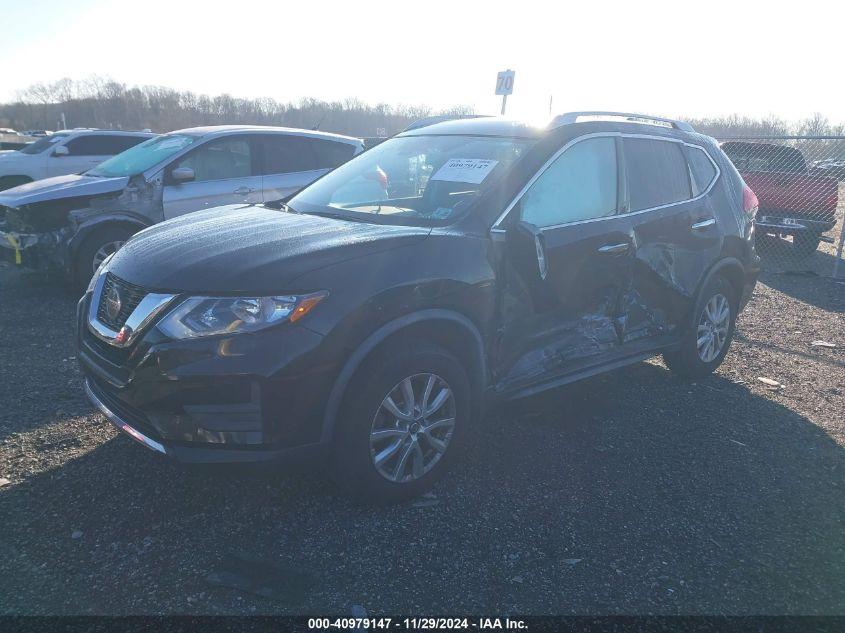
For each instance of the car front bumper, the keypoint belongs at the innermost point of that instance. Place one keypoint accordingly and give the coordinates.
(40, 251)
(242, 398)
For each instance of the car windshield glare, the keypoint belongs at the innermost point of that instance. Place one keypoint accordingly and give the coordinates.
(420, 180)
(138, 159)
(41, 144)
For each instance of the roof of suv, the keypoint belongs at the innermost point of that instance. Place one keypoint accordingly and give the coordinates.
(222, 130)
(500, 126)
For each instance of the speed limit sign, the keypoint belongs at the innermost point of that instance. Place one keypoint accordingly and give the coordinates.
(504, 82)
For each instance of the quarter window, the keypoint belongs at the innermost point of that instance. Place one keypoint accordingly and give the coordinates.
(220, 159)
(579, 185)
(657, 173)
(703, 171)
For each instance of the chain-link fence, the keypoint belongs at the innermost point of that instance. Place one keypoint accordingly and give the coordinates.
(800, 185)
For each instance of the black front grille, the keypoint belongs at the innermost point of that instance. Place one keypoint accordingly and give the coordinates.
(130, 296)
(115, 355)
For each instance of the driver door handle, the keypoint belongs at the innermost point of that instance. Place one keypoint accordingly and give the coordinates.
(242, 191)
(615, 249)
(703, 224)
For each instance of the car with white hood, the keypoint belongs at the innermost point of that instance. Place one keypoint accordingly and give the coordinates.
(64, 152)
(72, 223)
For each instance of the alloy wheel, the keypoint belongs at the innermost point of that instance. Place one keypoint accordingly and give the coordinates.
(713, 325)
(413, 427)
(104, 251)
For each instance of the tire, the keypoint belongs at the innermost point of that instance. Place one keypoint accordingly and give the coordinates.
(364, 411)
(100, 242)
(7, 182)
(689, 361)
(805, 244)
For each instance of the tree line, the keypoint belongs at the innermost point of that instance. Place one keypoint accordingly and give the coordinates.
(105, 103)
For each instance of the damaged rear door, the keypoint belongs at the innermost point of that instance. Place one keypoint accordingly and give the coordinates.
(676, 238)
(568, 261)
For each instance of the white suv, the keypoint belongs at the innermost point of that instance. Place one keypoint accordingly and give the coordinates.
(65, 152)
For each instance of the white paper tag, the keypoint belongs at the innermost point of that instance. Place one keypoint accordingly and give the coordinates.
(472, 170)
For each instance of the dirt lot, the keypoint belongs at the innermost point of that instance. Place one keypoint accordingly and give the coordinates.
(630, 493)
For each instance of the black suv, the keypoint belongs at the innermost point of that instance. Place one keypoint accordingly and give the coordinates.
(366, 323)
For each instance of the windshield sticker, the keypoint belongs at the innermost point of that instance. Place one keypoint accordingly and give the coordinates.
(472, 170)
(442, 213)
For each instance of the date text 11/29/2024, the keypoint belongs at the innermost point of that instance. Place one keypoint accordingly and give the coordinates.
(414, 624)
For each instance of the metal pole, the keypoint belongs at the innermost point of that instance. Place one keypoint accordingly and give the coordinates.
(504, 103)
(839, 251)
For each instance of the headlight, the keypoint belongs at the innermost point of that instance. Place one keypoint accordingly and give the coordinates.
(103, 267)
(207, 316)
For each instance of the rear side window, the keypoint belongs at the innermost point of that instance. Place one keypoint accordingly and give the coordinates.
(657, 173)
(701, 167)
(286, 154)
(330, 154)
(102, 144)
(579, 185)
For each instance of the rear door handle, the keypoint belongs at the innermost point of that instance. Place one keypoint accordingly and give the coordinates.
(242, 191)
(615, 249)
(702, 224)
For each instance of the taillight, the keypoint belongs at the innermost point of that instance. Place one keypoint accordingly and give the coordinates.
(749, 201)
(380, 176)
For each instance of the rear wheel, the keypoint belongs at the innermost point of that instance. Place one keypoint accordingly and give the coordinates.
(805, 244)
(405, 418)
(95, 249)
(705, 345)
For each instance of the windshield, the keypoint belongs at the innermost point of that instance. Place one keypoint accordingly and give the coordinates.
(41, 144)
(141, 157)
(412, 179)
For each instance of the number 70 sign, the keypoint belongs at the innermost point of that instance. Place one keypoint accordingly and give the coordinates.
(504, 82)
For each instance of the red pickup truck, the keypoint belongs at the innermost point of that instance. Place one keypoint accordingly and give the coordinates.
(792, 202)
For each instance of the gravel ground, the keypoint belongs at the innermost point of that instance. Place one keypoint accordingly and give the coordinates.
(632, 492)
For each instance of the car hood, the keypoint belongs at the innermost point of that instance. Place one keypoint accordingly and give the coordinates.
(248, 249)
(70, 186)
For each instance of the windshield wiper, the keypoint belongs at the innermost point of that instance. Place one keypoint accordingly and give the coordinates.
(337, 216)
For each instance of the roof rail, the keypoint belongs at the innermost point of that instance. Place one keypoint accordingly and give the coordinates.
(572, 117)
(431, 120)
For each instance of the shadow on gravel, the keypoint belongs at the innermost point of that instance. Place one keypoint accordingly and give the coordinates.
(807, 279)
(629, 493)
(39, 382)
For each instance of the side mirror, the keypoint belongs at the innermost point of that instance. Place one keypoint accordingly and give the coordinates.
(182, 174)
(61, 150)
(529, 245)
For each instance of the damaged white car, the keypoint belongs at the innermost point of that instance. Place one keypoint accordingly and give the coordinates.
(71, 223)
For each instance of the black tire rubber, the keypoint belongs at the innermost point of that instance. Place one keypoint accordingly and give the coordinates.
(7, 182)
(82, 268)
(685, 361)
(805, 244)
(352, 465)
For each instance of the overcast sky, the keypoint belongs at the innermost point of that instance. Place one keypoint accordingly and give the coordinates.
(702, 58)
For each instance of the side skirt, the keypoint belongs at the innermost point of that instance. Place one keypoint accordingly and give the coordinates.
(582, 373)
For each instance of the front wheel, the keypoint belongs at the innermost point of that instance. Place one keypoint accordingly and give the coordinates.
(705, 345)
(94, 250)
(404, 419)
